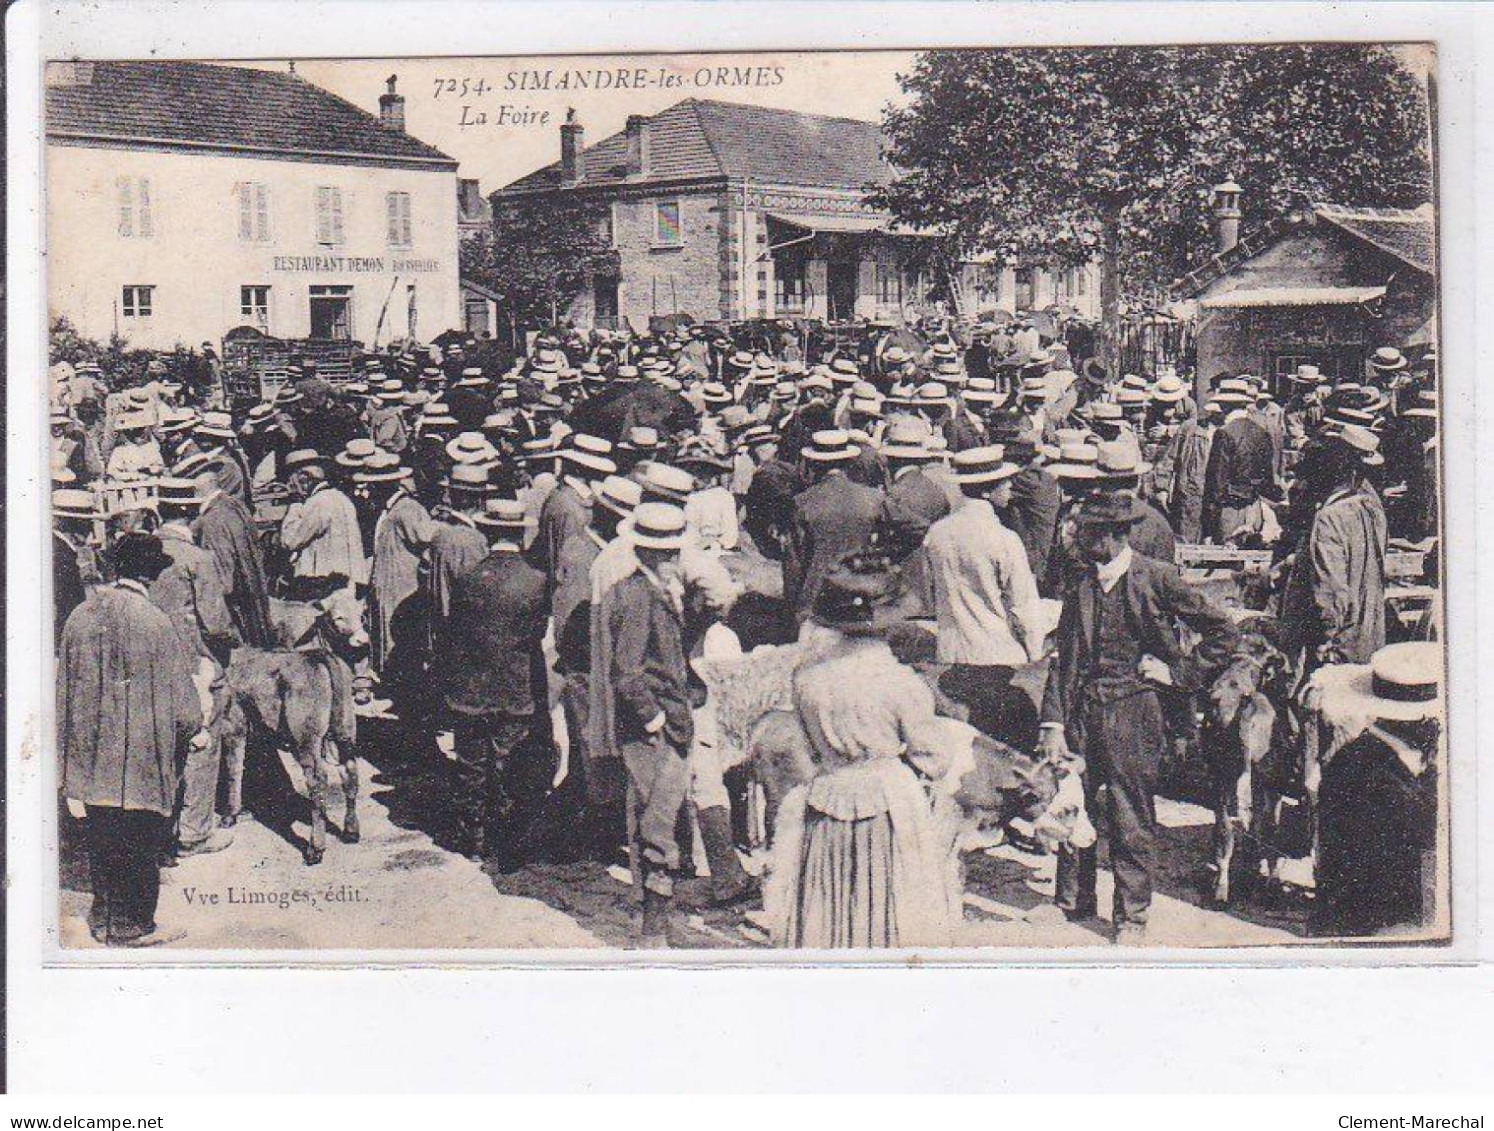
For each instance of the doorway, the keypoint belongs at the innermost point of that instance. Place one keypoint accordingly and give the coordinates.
(332, 312)
(604, 300)
(840, 283)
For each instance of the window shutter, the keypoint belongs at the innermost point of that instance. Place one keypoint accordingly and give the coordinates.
(246, 216)
(126, 208)
(408, 239)
(391, 208)
(143, 195)
(262, 212)
(336, 195)
(323, 215)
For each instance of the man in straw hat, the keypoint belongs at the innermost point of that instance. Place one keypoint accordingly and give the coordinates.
(563, 547)
(1241, 469)
(914, 500)
(320, 528)
(1118, 650)
(986, 600)
(402, 532)
(456, 544)
(75, 565)
(127, 711)
(833, 517)
(1377, 864)
(641, 710)
(493, 681)
(1186, 459)
(1333, 609)
(225, 529)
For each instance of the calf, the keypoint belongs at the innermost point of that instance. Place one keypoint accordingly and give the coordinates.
(300, 693)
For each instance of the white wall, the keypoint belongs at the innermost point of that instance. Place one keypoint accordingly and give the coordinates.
(196, 261)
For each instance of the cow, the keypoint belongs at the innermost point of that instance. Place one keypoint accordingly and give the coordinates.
(1242, 740)
(300, 692)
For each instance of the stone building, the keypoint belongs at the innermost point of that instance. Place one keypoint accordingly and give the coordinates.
(726, 211)
(185, 199)
(1326, 285)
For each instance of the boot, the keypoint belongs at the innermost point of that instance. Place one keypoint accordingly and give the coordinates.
(729, 884)
(654, 933)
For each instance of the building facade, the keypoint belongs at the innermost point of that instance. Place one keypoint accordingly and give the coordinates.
(1326, 286)
(273, 204)
(725, 211)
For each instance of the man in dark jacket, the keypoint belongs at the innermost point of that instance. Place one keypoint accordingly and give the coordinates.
(1032, 513)
(225, 529)
(1241, 470)
(833, 518)
(495, 677)
(914, 501)
(1117, 646)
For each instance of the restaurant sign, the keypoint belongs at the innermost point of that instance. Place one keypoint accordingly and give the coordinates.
(352, 265)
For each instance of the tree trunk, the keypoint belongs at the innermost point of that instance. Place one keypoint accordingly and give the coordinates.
(1110, 290)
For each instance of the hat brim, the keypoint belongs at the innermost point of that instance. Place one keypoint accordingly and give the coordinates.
(990, 475)
(1073, 471)
(628, 529)
(1360, 686)
(394, 475)
(906, 451)
(841, 455)
(600, 464)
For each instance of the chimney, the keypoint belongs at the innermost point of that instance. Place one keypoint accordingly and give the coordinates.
(392, 108)
(637, 133)
(469, 198)
(1226, 216)
(70, 72)
(572, 148)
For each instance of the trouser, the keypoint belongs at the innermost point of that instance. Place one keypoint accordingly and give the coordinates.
(1122, 745)
(997, 709)
(660, 777)
(124, 848)
(484, 744)
(197, 816)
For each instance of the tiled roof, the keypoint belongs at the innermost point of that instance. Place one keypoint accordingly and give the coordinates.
(700, 138)
(1408, 234)
(205, 105)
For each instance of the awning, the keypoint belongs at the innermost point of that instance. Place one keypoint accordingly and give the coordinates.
(1293, 296)
(858, 222)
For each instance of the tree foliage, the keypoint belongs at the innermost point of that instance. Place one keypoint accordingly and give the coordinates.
(539, 256)
(1044, 153)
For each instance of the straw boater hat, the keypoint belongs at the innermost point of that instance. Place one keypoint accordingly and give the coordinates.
(471, 447)
(133, 422)
(667, 481)
(1306, 375)
(640, 439)
(1127, 398)
(180, 493)
(1401, 683)
(715, 393)
(1168, 389)
(757, 434)
(1093, 371)
(740, 360)
(471, 378)
(539, 448)
(69, 502)
(843, 367)
(896, 355)
(655, 526)
(1035, 388)
(1117, 459)
(830, 445)
(1106, 412)
(619, 495)
(906, 439)
(1363, 442)
(382, 467)
(1388, 360)
(355, 452)
(1425, 406)
(469, 478)
(784, 391)
(986, 464)
(817, 381)
(589, 453)
(391, 391)
(503, 516)
(1076, 460)
(303, 457)
(174, 420)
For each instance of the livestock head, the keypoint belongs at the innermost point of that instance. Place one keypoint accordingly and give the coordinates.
(322, 611)
(1258, 666)
(341, 615)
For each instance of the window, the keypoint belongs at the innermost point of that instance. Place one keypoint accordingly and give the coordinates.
(331, 312)
(254, 212)
(1081, 279)
(788, 286)
(887, 284)
(397, 211)
(137, 302)
(328, 215)
(667, 231)
(607, 227)
(254, 306)
(135, 221)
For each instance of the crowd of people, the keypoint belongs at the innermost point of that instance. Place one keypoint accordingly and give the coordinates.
(542, 551)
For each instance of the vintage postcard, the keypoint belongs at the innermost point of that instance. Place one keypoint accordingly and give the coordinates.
(826, 502)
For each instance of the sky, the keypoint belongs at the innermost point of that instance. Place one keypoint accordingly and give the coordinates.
(518, 140)
(507, 122)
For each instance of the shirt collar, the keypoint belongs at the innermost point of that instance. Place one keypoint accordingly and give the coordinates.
(133, 586)
(1108, 573)
(1238, 414)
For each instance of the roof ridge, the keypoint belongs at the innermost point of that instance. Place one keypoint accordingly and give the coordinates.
(694, 104)
(777, 110)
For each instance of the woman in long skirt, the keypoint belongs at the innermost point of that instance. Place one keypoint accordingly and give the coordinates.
(856, 859)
